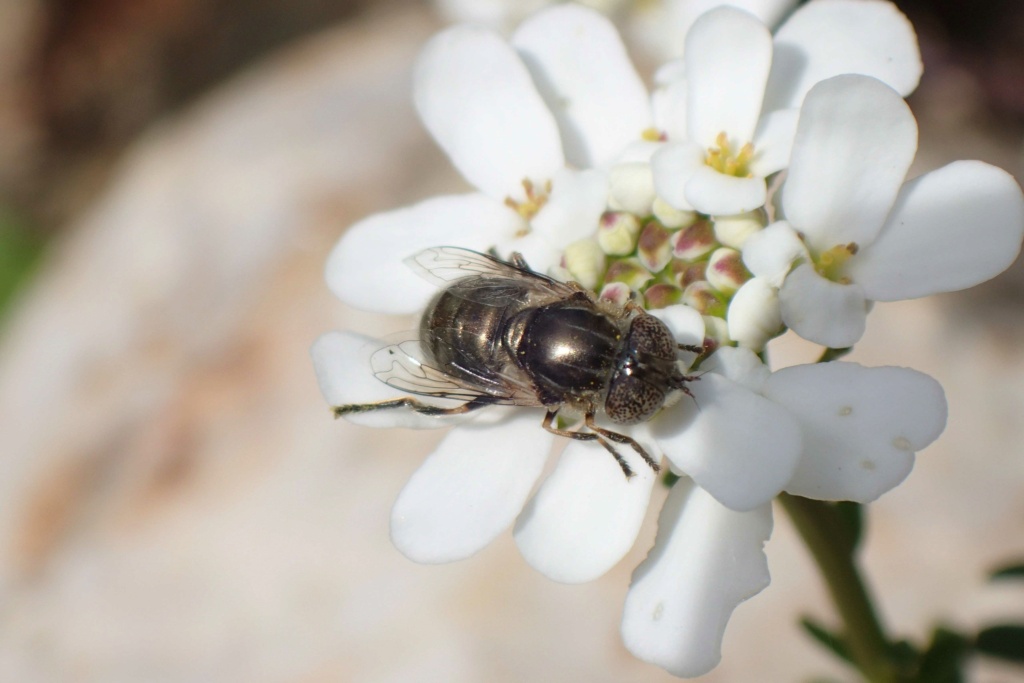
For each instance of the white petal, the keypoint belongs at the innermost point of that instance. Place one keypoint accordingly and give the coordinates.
(582, 71)
(825, 39)
(685, 323)
(718, 194)
(854, 143)
(772, 252)
(669, 105)
(861, 426)
(574, 208)
(477, 99)
(706, 560)
(754, 316)
(342, 364)
(673, 166)
(728, 56)
(823, 311)
(950, 229)
(740, 447)
(470, 489)
(586, 515)
(739, 365)
(773, 141)
(366, 269)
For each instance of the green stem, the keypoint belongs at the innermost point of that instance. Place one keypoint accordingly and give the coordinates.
(827, 537)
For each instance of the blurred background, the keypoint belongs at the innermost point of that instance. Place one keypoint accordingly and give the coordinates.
(176, 503)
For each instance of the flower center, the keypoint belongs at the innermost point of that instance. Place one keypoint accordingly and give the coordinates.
(536, 198)
(722, 159)
(831, 264)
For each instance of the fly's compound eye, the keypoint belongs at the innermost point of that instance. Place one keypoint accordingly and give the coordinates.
(631, 400)
(649, 335)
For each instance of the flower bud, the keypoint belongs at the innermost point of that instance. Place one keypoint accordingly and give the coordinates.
(631, 187)
(585, 262)
(716, 333)
(670, 216)
(662, 295)
(617, 293)
(703, 297)
(654, 248)
(754, 315)
(684, 273)
(694, 242)
(617, 232)
(630, 272)
(726, 271)
(733, 231)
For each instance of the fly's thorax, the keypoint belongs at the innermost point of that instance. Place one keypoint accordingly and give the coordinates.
(568, 349)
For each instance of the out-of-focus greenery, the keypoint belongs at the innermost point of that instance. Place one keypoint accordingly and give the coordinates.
(20, 248)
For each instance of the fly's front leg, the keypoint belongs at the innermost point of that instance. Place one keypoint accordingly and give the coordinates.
(587, 436)
(622, 438)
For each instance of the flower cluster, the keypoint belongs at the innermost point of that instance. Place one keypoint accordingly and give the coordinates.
(674, 199)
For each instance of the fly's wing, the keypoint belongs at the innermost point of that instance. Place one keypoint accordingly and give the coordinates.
(402, 366)
(445, 265)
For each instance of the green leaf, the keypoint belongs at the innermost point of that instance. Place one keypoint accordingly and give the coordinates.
(1005, 641)
(1012, 571)
(944, 660)
(20, 248)
(669, 479)
(830, 640)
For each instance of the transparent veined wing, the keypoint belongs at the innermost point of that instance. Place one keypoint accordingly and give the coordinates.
(402, 366)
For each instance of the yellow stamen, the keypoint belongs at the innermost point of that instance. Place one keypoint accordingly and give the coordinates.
(534, 202)
(652, 135)
(722, 159)
(830, 264)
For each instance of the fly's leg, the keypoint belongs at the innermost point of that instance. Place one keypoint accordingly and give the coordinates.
(518, 261)
(587, 436)
(413, 404)
(621, 438)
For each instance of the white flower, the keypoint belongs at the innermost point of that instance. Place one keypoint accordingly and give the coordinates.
(739, 89)
(854, 232)
(657, 27)
(858, 428)
(518, 121)
(582, 520)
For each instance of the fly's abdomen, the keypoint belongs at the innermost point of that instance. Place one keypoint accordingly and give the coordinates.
(461, 330)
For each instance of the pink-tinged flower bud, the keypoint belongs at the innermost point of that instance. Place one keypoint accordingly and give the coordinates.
(630, 272)
(662, 295)
(705, 298)
(585, 261)
(694, 242)
(726, 271)
(733, 231)
(654, 247)
(671, 217)
(631, 187)
(684, 273)
(617, 293)
(617, 232)
(716, 332)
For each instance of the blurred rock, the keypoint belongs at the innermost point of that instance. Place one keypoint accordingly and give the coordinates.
(178, 505)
